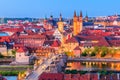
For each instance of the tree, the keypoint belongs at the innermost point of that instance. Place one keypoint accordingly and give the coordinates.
(104, 72)
(74, 71)
(84, 54)
(93, 54)
(103, 54)
(67, 72)
(1, 56)
(82, 72)
(112, 51)
(104, 51)
(69, 54)
(13, 52)
(96, 49)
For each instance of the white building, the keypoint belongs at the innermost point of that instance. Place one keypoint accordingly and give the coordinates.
(22, 56)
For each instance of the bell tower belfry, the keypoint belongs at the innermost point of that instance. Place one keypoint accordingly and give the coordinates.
(77, 24)
(60, 24)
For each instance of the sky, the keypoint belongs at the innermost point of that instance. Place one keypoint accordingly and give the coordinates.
(42, 8)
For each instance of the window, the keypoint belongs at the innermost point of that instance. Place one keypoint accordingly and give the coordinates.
(19, 55)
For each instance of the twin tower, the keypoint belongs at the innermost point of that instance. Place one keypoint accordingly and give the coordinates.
(77, 23)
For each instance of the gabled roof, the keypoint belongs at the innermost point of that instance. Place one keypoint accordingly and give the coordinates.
(49, 43)
(77, 48)
(4, 38)
(51, 76)
(72, 40)
(22, 50)
(55, 43)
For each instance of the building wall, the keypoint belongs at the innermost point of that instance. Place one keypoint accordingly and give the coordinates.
(113, 23)
(68, 47)
(77, 25)
(60, 26)
(77, 53)
(3, 51)
(21, 58)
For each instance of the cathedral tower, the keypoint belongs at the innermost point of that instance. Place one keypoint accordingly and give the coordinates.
(60, 24)
(77, 24)
(75, 19)
(81, 22)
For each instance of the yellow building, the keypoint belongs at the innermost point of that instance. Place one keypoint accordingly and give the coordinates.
(77, 24)
(60, 24)
(70, 44)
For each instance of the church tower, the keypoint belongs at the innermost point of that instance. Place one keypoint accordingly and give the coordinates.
(77, 24)
(60, 24)
(45, 21)
(75, 19)
(81, 22)
(86, 18)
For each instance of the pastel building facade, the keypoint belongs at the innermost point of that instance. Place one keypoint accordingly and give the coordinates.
(22, 56)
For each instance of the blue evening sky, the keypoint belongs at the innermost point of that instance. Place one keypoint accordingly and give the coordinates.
(41, 8)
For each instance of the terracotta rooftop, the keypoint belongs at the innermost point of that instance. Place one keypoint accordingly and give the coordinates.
(77, 48)
(71, 40)
(21, 50)
(56, 43)
(51, 76)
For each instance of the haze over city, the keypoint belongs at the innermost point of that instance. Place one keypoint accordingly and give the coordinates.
(42, 8)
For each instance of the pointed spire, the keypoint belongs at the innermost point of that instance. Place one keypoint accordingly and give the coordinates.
(51, 17)
(86, 15)
(45, 17)
(80, 13)
(74, 13)
(60, 15)
(60, 19)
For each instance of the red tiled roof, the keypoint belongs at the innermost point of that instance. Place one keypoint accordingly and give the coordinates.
(101, 40)
(18, 45)
(12, 29)
(51, 76)
(49, 32)
(21, 50)
(55, 43)
(32, 36)
(77, 48)
(71, 40)
(5, 38)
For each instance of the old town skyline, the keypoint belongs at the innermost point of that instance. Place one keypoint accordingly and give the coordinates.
(43, 8)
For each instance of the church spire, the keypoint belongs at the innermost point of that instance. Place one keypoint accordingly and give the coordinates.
(45, 17)
(75, 14)
(86, 17)
(81, 14)
(60, 19)
(51, 17)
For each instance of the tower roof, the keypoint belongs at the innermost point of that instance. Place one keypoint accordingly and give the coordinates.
(45, 18)
(74, 13)
(80, 13)
(86, 15)
(60, 15)
(51, 16)
(60, 19)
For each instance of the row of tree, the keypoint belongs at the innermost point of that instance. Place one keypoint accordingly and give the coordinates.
(102, 51)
